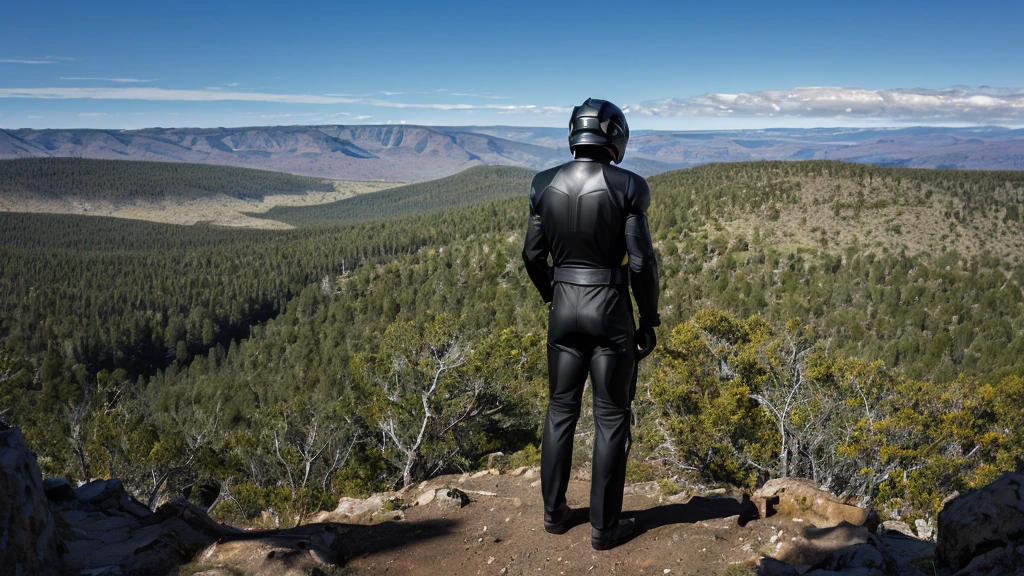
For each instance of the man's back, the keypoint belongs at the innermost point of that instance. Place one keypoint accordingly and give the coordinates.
(583, 207)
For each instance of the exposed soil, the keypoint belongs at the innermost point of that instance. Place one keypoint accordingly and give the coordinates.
(503, 534)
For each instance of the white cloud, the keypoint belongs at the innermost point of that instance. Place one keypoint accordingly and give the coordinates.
(232, 84)
(288, 115)
(386, 93)
(92, 114)
(474, 95)
(162, 94)
(24, 61)
(117, 80)
(214, 94)
(959, 104)
(362, 117)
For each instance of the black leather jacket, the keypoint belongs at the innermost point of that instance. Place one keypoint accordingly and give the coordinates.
(588, 214)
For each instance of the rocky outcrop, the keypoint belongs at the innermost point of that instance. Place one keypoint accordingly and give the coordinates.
(29, 543)
(106, 530)
(799, 498)
(814, 546)
(300, 551)
(983, 532)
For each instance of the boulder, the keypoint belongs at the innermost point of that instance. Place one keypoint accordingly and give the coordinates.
(897, 527)
(103, 571)
(865, 557)
(30, 543)
(772, 567)
(452, 497)
(1003, 561)
(309, 549)
(814, 546)
(426, 497)
(58, 490)
(976, 523)
(108, 532)
(349, 508)
(196, 518)
(111, 495)
(799, 498)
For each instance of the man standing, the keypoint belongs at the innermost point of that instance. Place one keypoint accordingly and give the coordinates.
(590, 217)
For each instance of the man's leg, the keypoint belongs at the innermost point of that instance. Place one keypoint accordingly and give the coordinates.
(567, 372)
(611, 375)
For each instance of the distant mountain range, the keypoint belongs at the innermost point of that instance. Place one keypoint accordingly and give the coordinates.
(405, 153)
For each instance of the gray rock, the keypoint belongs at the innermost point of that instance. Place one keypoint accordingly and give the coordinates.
(103, 571)
(895, 526)
(1005, 561)
(925, 531)
(426, 498)
(58, 490)
(29, 542)
(452, 497)
(846, 572)
(864, 556)
(975, 523)
(772, 567)
(110, 495)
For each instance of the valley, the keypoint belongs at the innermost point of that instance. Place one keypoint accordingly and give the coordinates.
(175, 357)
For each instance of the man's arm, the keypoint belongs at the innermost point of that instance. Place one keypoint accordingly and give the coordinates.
(643, 265)
(535, 252)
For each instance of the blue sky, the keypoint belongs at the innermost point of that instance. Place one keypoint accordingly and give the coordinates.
(671, 65)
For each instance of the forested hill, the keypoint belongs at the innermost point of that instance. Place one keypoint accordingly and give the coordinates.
(835, 206)
(126, 181)
(472, 186)
(293, 367)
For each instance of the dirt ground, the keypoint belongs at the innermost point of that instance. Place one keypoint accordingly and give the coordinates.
(503, 534)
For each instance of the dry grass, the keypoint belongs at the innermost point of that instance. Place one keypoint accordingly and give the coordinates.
(219, 210)
(890, 219)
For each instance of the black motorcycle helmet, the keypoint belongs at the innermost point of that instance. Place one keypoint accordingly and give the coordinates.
(599, 123)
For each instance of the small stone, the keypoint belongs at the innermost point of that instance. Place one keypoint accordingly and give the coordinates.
(426, 498)
(479, 474)
(924, 529)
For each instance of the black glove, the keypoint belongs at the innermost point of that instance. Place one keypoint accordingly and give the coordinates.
(645, 340)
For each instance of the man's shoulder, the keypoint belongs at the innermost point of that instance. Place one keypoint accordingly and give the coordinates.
(544, 177)
(632, 184)
(541, 181)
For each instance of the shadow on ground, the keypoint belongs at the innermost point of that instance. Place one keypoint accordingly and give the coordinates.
(361, 540)
(695, 510)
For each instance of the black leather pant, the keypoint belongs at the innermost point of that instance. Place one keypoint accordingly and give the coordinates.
(590, 330)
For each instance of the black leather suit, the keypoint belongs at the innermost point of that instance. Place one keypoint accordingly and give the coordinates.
(588, 216)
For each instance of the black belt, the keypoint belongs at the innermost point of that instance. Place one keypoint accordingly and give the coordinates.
(592, 276)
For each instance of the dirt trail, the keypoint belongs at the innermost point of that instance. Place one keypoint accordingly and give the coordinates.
(503, 534)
